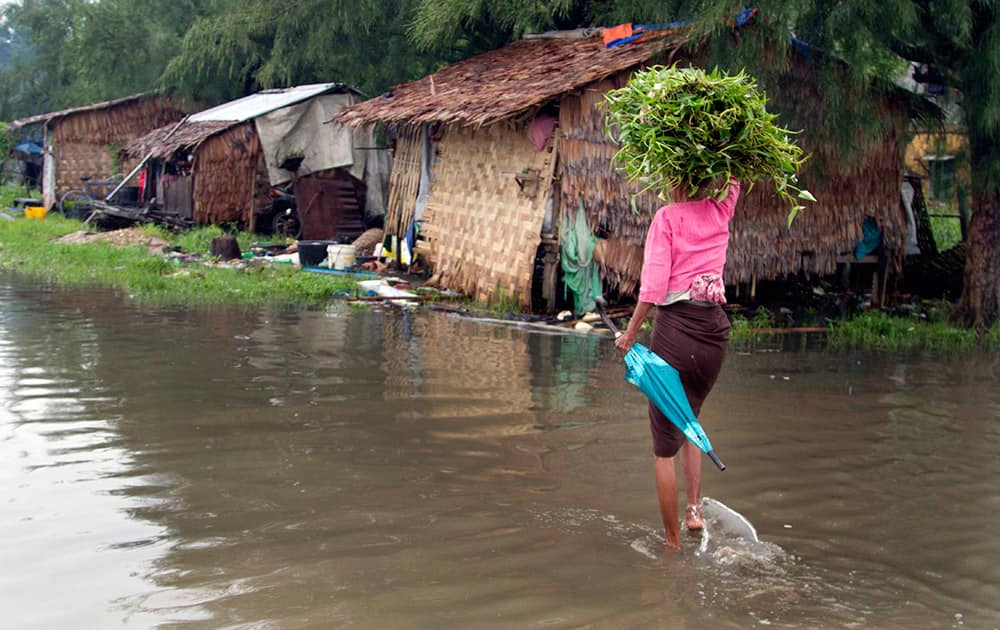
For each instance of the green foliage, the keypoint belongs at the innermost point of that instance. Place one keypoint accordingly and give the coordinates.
(64, 53)
(246, 46)
(685, 129)
(747, 331)
(6, 141)
(947, 232)
(437, 23)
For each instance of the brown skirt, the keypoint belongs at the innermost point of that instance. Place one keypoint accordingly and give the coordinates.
(692, 338)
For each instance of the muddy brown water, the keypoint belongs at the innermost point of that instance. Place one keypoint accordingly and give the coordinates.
(206, 468)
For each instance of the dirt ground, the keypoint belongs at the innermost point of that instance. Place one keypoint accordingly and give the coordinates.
(120, 238)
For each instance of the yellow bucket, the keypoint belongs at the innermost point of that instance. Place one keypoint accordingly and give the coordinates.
(34, 212)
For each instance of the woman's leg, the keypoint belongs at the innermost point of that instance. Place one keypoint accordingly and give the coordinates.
(691, 467)
(666, 491)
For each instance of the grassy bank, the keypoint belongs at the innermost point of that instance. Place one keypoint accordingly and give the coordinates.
(877, 331)
(29, 247)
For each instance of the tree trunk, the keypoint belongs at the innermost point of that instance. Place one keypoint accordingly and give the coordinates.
(980, 302)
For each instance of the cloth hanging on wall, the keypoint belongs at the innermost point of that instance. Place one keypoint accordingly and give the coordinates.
(580, 273)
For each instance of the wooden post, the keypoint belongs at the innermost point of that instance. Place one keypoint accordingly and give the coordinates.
(963, 213)
(877, 280)
(883, 264)
(550, 276)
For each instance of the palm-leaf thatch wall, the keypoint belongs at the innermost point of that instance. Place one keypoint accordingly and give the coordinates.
(761, 245)
(615, 208)
(485, 210)
(226, 167)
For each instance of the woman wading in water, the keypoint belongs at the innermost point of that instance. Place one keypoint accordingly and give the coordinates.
(685, 253)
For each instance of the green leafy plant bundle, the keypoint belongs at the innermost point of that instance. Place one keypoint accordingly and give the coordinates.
(690, 130)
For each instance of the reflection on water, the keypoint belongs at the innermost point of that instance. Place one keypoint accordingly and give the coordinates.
(386, 468)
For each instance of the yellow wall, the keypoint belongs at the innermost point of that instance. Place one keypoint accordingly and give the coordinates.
(946, 142)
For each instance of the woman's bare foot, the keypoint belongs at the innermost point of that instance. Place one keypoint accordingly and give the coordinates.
(692, 517)
(673, 545)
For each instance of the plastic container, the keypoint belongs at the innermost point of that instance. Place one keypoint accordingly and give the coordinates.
(312, 253)
(34, 212)
(128, 196)
(340, 257)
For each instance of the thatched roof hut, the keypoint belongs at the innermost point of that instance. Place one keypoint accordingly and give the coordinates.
(217, 166)
(84, 141)
(482, 234)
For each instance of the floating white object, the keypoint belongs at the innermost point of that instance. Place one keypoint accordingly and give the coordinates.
(384, 289)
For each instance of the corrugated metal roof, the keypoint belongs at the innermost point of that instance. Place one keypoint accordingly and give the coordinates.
(250, 107)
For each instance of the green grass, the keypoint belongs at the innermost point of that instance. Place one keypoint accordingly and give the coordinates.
(745, 330)
(27, 247)
(9, 193)
(200, 239)
(947, 232)
(879, 331)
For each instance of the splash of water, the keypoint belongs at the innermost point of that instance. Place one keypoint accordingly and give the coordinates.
(726, 521)
(730, 539)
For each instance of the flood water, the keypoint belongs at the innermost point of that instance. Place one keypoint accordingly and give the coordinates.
(206, 468)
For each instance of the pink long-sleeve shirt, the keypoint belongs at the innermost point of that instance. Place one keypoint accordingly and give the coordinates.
(686, 240)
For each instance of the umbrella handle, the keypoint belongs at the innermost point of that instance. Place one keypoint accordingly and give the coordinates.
(715, 460)
(601, 305)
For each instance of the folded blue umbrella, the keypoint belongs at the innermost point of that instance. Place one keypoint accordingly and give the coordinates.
(661, 383)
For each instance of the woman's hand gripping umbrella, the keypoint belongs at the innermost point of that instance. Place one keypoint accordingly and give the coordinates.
(661, 383)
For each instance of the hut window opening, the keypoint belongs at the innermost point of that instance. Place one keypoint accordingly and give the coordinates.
(941, 174)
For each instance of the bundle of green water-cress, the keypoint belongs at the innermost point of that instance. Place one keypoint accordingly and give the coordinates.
(688, 130)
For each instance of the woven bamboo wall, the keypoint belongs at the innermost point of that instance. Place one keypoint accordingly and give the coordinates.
(81, 141)
(482, 231)
(77, 159)
(225, 169)
(404, 181)
(761, 244)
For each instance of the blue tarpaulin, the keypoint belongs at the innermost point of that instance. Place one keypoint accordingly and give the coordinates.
(29, 147)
